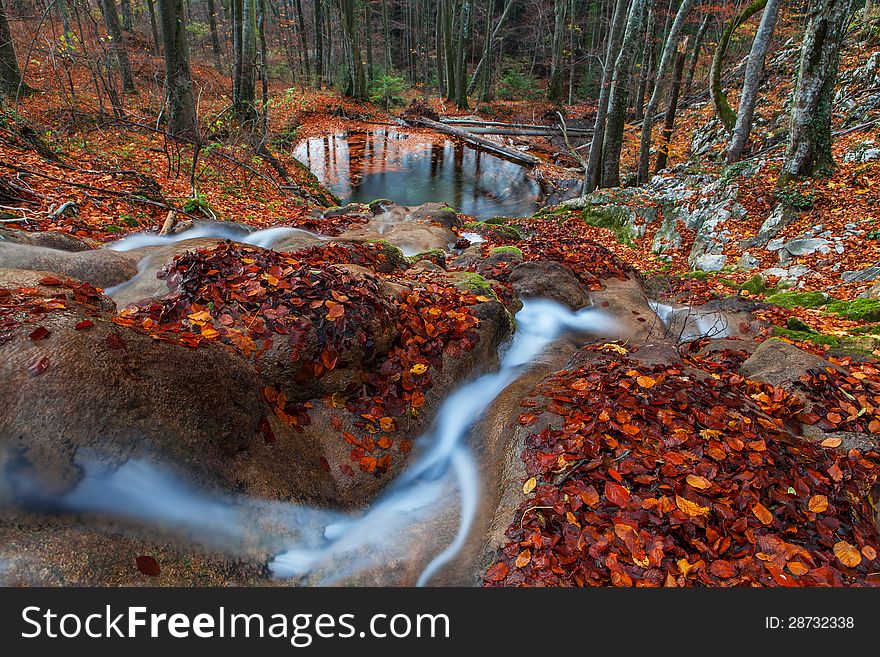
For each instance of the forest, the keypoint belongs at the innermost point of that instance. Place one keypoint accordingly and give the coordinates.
(492, 293)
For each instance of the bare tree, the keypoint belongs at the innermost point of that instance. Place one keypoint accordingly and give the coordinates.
(666, 58)
(753, 75)
(117, 47)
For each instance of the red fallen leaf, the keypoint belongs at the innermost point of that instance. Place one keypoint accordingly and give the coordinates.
(50, 280)
(346, 470)
(497, 572)
(38, 366)
(86, 323)
(722, 568)
(368, 463)
(527, 419)
(325, 466)
(148, 566)
(616, 494)
(835, 473)
(115, 341)
(39, 333)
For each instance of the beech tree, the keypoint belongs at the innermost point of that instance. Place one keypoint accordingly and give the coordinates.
(181, 104)
(809, 145)
(751, 82)
(617, 101)
(117, 47)
(666, 58)
(10, 76)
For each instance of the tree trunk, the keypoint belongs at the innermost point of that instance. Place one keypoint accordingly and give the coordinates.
(615, 36)
(319, 43)
(491, 41)
(809, 145)
(669, 119)
(215, 37)
(10, 76)
(448, 49)
(617, 101)
(695, 56)
(464, 33)
(719, 98)
(303, 44)
(645, 68)
(117, 47)
(125, 7)
(554, 90)
(245, 60)
(153, 27)
(357, 83)
(751, 82)
(669, 50)
(368, 31)
(182, 120)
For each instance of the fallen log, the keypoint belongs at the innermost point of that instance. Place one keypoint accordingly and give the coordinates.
(479, 142)
(523, 132)
(497, 127)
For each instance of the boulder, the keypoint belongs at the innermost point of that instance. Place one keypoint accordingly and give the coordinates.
(780, 363)
(49, 239)
(549, 280)
(100, 267)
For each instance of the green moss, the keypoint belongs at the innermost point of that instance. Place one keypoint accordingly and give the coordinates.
(859, 310)
(794, 324)
(497, 221)
(506, 250)
(474, 283)
(611, 217)
(498, 231)
(798, 299)
(805, 336)
(377, 203)
(867, 329)
(755, 285)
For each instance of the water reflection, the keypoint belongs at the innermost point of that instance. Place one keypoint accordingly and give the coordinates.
(387, 163)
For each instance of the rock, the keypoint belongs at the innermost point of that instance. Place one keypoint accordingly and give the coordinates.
(116, 394)
(710, 262)
(801, 247)
(776, 271)
(49, 239)
(871, 293)
(868, 274)
(100, 267)
(470, 257)
(780, 363)
(781, 216)
(549, 280)
(775, 244)
(625, 301)
(748, 262)
(439, 213)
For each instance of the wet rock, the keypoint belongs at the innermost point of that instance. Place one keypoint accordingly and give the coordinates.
(780, 363)
(549, 280)
(100, 267)
(48, 239)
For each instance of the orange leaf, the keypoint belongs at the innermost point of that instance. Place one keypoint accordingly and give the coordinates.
(690, 508)
(847, 554)
(831, 442)
(763, 514)
(524, 558)
(698, 482)
(646, 381)
(818, 503)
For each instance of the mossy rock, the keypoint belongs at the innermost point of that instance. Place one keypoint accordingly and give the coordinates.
(393, 256)
(376, 205)
(866, 343)
(497, 231)
(500, 251)
(798, 299)
(795, 324)
(470, 282)
(614, 218)
(806, 336)
(497, 221)
(755, 285)
(867, 329)
(858, 310)
(437, 256)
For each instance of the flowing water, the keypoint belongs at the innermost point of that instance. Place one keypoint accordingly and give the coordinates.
(407, 169)
(331, 545)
